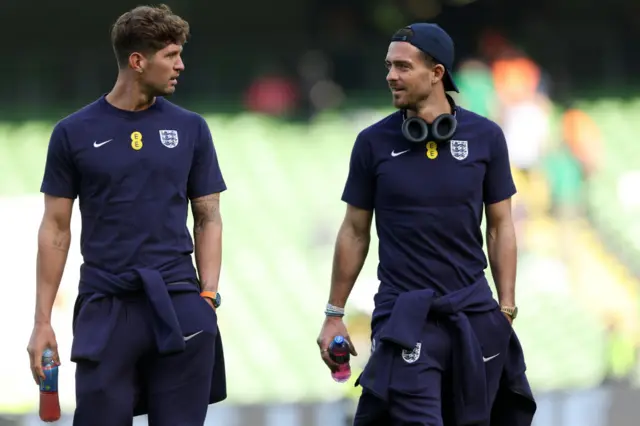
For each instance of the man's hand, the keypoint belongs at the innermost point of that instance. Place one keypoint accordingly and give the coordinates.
(508, 317)
(332, 327)
(42, 337)
(210, 302)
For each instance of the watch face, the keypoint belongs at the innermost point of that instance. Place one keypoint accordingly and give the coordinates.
(218, 300)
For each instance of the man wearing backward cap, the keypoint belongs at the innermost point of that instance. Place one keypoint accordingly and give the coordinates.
(445, 352)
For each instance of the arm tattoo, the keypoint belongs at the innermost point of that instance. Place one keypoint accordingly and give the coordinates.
(61, 241)
(205, 210)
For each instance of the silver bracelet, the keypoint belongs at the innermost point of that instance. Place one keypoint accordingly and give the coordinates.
(333, 311)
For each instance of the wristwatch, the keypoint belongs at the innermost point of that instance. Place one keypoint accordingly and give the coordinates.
(214, 296)
(512, 311)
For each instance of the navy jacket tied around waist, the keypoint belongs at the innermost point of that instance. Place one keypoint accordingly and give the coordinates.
(93, 330)
(404, 328)
(98, 284)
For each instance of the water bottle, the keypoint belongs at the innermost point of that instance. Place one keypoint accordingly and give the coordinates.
(49, 401)
(339, 353)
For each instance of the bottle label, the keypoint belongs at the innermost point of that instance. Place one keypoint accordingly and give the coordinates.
(339, 354)
(340, 359)
(50, 383)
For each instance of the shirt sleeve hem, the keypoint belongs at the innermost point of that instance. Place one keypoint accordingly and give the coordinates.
(357, 203)
(58, 193)
(497, 199)
(215, 189)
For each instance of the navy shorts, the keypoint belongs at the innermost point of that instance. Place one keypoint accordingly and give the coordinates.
(420, 391)
(177, 386)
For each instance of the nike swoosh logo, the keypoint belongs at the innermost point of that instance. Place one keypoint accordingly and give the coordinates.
(490, 358)
(187, 338)
(98, 145)
(395, 154)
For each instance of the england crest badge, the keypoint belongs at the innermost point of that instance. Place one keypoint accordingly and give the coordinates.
(169, 138)
(413, 355)
(459, 149)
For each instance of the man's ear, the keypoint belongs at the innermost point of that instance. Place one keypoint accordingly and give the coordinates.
(137, 62)
(438, 73)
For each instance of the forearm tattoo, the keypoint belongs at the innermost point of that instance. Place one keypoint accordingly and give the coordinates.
(60, 240)
(205, 210)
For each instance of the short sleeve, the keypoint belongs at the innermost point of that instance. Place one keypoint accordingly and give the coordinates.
(205, 176)
(359, 190)
(498, 181)
(61, 178)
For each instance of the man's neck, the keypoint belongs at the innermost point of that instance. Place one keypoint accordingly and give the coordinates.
(128, 95)
(432, 107)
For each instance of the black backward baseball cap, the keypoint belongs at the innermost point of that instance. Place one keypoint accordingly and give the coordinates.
(435, 42)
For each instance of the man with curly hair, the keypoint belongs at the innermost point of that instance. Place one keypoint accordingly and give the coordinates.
(146, 339)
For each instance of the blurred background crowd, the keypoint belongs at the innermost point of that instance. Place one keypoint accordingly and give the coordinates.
(285, 87)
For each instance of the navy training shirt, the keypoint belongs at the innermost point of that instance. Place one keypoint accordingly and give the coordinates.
(428, 200)
(133, 173)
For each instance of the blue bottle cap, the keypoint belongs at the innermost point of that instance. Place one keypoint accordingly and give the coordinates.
(338, 340)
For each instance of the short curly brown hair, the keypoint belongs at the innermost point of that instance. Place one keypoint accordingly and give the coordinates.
(147, 29)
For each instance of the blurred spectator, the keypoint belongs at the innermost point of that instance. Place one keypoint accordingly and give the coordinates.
(524, 111)
(582, 137)
(493, 45)
(569, 166)
(271, 93)
(565, 182)
(516, 78)
(477, 92)
(319, 90)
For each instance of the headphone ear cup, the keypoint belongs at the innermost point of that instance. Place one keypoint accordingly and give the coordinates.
(443, 127)
(415, 129)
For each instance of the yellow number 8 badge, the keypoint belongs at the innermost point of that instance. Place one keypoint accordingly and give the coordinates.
(136, 141)
(432, 150)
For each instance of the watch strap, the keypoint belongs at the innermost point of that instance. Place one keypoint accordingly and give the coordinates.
(209, 295)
